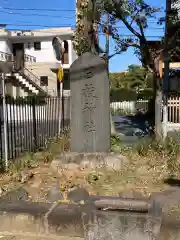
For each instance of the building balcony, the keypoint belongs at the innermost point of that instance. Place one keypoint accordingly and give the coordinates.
(8, 57)
(29, 58)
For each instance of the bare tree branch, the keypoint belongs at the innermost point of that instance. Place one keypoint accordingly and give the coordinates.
(130, 28)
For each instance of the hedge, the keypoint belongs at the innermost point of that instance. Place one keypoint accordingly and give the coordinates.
(29, 100)
(123, 94)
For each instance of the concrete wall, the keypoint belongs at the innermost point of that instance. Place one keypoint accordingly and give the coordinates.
(44, 69)
(5, 46)
(46, 54)
(15, 91)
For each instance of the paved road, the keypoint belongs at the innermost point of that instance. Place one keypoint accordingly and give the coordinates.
(132, 128)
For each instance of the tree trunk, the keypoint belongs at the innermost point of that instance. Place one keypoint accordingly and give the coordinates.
(158, 115)
(157, 107)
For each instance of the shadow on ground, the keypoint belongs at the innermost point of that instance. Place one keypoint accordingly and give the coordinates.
(131, 128)
(172, 182)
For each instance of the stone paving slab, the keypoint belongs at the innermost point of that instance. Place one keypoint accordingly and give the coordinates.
(26, 236)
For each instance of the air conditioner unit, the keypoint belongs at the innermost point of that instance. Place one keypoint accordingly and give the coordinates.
(27, 34)
(19, 33)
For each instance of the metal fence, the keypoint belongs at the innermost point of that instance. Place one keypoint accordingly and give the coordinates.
(129, 107)
(30, 122)
(132, 107)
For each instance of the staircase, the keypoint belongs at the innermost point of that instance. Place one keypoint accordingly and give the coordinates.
(24, 78)
(31, 80)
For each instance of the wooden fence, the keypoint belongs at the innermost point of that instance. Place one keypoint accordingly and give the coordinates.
(174, 110)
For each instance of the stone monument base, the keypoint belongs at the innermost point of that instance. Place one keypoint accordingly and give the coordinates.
(73, 161)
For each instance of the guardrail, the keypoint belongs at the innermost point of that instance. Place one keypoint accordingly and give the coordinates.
(29, 58)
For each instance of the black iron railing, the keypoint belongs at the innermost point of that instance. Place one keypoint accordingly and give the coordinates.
(32, 79)
(31, 122)
(10, 58)
(29, 58)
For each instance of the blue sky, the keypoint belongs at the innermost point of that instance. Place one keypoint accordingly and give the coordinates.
(64, 15)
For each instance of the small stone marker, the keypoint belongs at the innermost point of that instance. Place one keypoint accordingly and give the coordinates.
(78, 195)
(54, 194)
(90, 105)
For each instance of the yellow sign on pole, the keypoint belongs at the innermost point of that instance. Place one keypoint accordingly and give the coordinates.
(60, 74)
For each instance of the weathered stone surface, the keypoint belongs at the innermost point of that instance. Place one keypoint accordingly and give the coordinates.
(125, 226)
(90, 105)
(89, 160)
(6, 67)
(54, 194)
(1, 191)
(78, 195)
(41, 218)
(25, 219)
(17, 194)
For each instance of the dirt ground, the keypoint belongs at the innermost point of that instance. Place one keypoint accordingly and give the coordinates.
(39, 180)
(134, 181)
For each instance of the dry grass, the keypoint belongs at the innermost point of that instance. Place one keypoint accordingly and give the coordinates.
(150, 163)
(142, 175)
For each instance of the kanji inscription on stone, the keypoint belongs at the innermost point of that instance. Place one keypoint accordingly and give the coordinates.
(89, 99)
(90, 106)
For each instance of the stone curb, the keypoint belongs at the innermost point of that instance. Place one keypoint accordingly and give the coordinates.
(60, 219)
(41, 218)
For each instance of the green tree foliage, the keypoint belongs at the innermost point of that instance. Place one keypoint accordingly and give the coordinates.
(135, 15)
(135, 83)
(135, 78)
(116, 79)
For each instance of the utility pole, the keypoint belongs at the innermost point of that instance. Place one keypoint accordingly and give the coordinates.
(166, 72)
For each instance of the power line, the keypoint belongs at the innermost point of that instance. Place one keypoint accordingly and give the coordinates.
(37, 25)
(53, 16)
(68, 25)
(39, 9)
(47, 15)
(35, 14)
(131, 35)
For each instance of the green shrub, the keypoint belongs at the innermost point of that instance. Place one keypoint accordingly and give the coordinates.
(122, 94)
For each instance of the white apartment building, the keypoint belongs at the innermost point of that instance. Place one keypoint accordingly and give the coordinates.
(36, 65)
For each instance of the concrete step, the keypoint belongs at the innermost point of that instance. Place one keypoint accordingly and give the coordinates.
(24, 83)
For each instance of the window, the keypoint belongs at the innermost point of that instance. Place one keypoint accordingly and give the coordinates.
(66, 80)
(44, 80)
(37, 45)
(65, 58)
(28, 45)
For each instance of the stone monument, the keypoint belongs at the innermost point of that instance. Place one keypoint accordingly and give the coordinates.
(90, 105)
